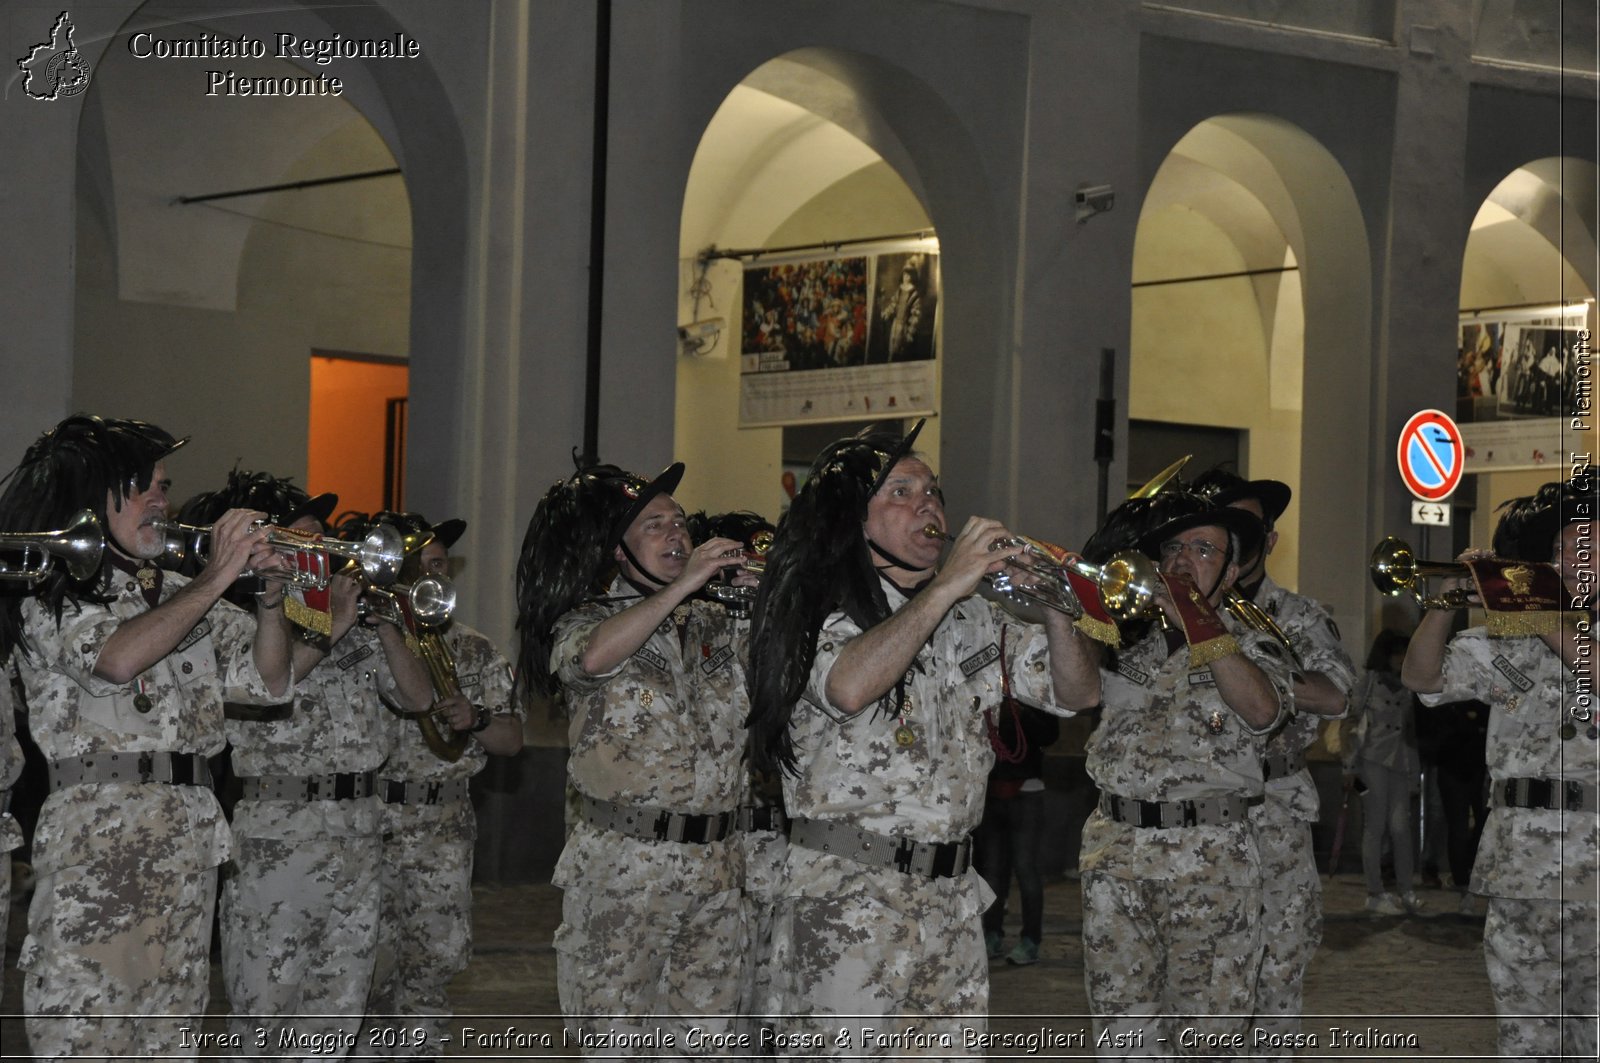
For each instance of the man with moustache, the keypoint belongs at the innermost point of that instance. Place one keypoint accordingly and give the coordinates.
(125, 675)
(1171, 872)
(652, 679)
(872, 665)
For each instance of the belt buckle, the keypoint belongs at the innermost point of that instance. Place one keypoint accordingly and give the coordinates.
(435, 792)
(944, 860)
(904, 853)
(663, 827)
(146, 767)
(1574, 796)
(344, 787)
(1151, 814)
(183, 770)
(1190, 813)
(313, 787)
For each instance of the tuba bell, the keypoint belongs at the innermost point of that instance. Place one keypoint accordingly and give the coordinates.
(79, 546)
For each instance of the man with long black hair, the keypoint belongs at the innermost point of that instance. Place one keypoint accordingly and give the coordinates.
(125, 675)
(871, 667)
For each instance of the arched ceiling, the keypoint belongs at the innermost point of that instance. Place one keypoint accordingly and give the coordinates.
(152, 134)
(1533, 239)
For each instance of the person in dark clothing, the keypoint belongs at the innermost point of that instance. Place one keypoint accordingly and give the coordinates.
(1013, 824)
(1453, 737)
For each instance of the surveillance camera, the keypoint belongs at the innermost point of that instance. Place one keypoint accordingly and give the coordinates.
(700, 330)
(1095, 197)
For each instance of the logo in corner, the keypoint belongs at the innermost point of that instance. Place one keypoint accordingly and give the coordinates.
(55, 69)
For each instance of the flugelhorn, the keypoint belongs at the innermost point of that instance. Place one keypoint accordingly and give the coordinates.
(379, 554)
(79, 545)
(1127, 582)
(1396, 570)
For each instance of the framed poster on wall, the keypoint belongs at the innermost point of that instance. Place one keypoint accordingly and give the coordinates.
(1524, 384)
(839, 339)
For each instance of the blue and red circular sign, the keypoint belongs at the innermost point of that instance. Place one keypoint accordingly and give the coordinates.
(1431, 455)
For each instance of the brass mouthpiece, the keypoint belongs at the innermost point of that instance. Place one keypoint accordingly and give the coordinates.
(932, 531)
(677, 555)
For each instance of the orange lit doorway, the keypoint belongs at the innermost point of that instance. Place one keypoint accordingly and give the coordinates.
(357, 441)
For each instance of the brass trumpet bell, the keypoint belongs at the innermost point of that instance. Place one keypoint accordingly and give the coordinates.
(79, 546)
(1395, 570)
(428, 603)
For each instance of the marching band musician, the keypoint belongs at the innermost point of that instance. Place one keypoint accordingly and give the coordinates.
(653, 683)
(1539, 859)
(125, 677)
(1177, 756)
(300, 901)
(429, 827)
(871, 668)
(1291, 922)
(763, 826)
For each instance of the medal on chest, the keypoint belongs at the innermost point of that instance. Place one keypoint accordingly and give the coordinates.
(147, 577)
(1215, 722)
(904, 736)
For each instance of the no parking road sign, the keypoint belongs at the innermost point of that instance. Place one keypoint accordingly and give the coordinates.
(1431, 455)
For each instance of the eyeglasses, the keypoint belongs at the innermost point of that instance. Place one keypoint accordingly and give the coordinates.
(1200, 548)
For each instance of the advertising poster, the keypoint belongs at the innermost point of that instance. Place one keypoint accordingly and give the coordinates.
(839, 339)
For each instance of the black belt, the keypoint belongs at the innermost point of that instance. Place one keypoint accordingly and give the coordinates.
(1552, 794)
(906, 855)
(763, 818)
(657, 824)
(1199, 812)
(334, 786)
(175, 769)
(414, 792)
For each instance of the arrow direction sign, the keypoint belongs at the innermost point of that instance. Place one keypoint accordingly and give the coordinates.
(1435, 513)
(1431, 455)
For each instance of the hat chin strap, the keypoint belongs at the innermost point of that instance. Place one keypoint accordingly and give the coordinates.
(639, 567)
(895, 561)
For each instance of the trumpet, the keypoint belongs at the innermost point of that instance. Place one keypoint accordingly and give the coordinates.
(429, 602)
(741, 600)
(1127, 582)
(379, 555)
(79, 545)
(1396, 570)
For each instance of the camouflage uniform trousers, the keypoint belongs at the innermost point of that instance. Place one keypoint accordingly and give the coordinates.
(1163, 957)
(1545, 974)
(425, 935)
(1291, 918)
(299, 937)
(627, 962)
(104, 939)
(917, 978)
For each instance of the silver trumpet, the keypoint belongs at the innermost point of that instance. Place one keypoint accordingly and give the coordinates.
(379, 555)
(79, 546)
(429, 603)
(1127, 582)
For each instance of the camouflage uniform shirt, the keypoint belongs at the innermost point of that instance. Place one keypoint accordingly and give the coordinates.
(1315, 640)
(664, 729)
(1528, 853)
(1167, 735)
(73, 712)
(853, 771)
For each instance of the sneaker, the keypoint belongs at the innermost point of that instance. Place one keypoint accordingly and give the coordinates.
(1413, 903)
(996, 943)
(1026, 952)
(1385, 904)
